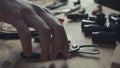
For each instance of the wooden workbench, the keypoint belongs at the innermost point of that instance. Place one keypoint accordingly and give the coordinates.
(10, 49)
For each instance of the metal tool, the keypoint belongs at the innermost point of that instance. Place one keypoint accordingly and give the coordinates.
(77, 49)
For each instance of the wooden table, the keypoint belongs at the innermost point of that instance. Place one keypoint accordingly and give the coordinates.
(10, 49)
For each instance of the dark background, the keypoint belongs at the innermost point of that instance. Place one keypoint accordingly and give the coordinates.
(114, 4)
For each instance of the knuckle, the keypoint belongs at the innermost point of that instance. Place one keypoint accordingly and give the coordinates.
(59, 27)
(47, 30)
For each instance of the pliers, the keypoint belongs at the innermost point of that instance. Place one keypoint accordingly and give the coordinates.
(77, 49)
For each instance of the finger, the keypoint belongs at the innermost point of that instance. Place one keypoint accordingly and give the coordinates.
(42, 29)
(65, 50)
(55, 50)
